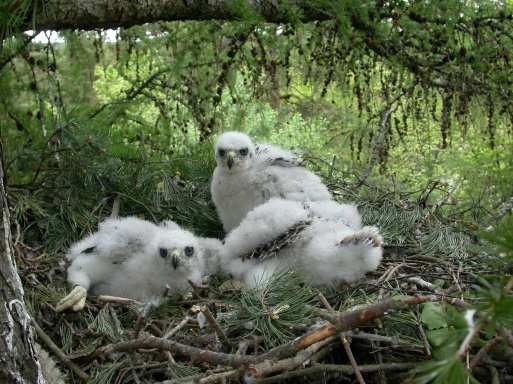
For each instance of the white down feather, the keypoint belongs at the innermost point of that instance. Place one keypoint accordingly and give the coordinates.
(317, 254)
(126, 258)
(248, 175)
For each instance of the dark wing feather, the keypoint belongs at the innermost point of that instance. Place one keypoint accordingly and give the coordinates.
(269, 155)
(273, 247)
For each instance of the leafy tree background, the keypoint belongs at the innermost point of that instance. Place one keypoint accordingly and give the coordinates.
(403, 107)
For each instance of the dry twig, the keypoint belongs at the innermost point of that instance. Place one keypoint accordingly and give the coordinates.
(345, 343)
(339, 322)
(219, 331)
(59, 353)
(343, 369)
(484, 351)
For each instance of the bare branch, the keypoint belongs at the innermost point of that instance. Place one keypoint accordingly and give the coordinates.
(58, 352)
(93, 14)
(345, 369)
(484, 351)
(345, 343)
(219, 331)
(339, 322)
(268, 367)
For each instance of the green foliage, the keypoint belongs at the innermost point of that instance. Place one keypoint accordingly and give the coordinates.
(495, 291)
(103, 323)
(450, 370)
(273, 309)
(12, 15)
(80, 186)
(446, 328)
(502, 238)
(105, 374)
(90, 118)
(167, 308)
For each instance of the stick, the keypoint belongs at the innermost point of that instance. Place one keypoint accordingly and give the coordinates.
(182, 324)
(379, 141)
(269, 367)
(344, 321)
(418, 281)
(194, 353)
(352, 360)
(325, 302)
(205, 379)
(423, 336)
(389, 273)
(394, 341)
(58, 352)
(465, 345)
(506, 333)
(345, 343)
(116, 300)
(381, 377)
(351, 319)
(243, 347)
(484, 351)
(213, 323)
(195, 290)
(345, 369)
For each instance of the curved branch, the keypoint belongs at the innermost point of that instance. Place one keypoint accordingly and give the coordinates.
(338, 322)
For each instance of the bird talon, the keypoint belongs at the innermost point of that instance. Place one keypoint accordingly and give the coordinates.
(369, 236)
(75, 300)
(347, 240)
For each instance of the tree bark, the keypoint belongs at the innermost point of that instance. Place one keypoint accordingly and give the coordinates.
(18, 359)
(92, 14)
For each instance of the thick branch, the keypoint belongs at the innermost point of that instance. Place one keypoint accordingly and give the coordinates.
(92, 14)
(19, 362)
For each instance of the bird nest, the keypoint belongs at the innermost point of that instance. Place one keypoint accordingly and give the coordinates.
(285, 331)
(385, 326)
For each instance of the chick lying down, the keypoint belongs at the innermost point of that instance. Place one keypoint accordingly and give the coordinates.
(324, 248)
(136, 259)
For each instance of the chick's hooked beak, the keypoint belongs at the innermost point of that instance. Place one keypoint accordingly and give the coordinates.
(230, 158)
(175, 258)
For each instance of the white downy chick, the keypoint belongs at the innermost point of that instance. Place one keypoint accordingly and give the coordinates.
(282, 234)
(136, 259)
(337, 212)
(248, 175)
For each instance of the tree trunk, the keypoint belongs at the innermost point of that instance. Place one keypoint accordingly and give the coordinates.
(92, 14)
(18, 360)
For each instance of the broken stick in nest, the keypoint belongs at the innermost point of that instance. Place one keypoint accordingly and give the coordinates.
(283, 357)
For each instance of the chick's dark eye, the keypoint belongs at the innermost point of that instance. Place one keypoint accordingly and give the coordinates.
(243, 151)
(163, 252)
(189, 251)
(221, 152)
